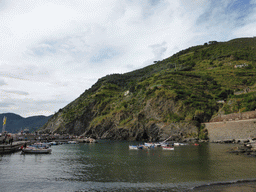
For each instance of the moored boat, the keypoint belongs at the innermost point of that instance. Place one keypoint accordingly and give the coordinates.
(137, 147)
(157, 144)
(53, 143)
(168, 148)
(37, 148)
(164, 144)
(133, 147)
(149, 144)
(33, 150)
(46, 145)
(178, 144)
(72, 142)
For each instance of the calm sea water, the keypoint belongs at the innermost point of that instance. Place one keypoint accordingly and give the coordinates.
(111, 166)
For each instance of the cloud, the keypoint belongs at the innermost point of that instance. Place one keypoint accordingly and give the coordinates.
(103, 54)
(17, 92)
(31, 107)
(52, 50)
(5, 105)
(2, 82)
(249, 22)
(159, 49)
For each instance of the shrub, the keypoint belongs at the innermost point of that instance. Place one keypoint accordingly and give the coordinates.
(173, 118)
(202, 132)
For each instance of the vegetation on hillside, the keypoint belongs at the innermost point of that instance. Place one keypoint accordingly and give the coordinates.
(190, 86)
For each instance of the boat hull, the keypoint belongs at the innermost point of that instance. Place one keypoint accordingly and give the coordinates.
(37, 151)
(133, 147)
(168, 148)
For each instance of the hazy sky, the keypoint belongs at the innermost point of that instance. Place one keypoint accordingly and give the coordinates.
(51, 51)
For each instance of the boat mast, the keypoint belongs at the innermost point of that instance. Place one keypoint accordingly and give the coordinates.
(4, 124)
(167, 139)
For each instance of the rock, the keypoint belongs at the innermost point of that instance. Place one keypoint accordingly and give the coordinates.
(228, 140)
(186, 140)
(243, 149)
(216, 141)
(242, 140)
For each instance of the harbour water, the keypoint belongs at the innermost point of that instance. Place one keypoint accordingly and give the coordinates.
(111, 166)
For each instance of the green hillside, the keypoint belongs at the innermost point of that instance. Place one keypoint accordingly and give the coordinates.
(171, 97)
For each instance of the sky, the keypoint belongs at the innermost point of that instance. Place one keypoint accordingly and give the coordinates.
(51, 51)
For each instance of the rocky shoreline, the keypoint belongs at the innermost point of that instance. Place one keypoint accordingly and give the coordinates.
(246, 146)
(245, 149)
(241, 141)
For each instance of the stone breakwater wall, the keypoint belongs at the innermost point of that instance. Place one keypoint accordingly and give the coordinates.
(235, 116)
(231, 130)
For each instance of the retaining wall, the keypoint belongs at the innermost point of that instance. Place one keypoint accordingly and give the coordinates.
(235, 116)
(241, 129)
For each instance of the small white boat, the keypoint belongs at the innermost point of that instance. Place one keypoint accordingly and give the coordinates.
(164, 144)
(168, 148)
(178, 144)
(157, 144)
(72, 142)
(53, 143)
(133, 147)
(46, 145)
(149, 144)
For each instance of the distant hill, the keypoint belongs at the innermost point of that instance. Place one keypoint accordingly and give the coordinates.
(170, 97)
(15, 123)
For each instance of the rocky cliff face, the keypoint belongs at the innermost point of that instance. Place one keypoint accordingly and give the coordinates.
(144, 125)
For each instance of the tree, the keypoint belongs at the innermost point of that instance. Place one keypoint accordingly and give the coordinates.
(212, 42)
(199, 116)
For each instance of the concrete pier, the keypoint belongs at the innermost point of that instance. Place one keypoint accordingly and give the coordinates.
(11, 148)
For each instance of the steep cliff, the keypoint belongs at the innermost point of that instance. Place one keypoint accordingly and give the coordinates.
(170, 97)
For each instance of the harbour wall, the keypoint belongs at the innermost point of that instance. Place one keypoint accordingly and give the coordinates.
(232, 129)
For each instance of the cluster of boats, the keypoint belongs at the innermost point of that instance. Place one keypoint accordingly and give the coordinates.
(60, 143)
(163, 145)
